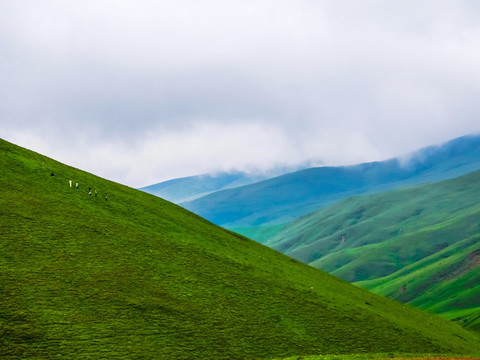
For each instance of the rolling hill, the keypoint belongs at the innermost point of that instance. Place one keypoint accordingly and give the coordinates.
(281, 199)
(446, 283)
(419, 244)
(134, 276)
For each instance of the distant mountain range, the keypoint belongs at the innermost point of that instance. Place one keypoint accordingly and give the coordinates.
(281, 199)
(134, 276)
(194, 187)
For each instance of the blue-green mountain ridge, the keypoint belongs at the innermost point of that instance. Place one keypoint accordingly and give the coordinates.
(193, 187)
(281, 199)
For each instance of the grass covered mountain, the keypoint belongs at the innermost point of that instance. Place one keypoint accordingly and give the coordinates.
(284, 198)
(445, 283)
(135, 276)
(194, 187)
(419, 244)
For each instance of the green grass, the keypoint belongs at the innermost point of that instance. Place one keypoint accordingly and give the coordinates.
(445, 283)
(139, 277)
(260, 233)
(380, 357)
(426, 237)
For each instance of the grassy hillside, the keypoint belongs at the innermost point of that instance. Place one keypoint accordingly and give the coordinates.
(284, 198)
(381, 357)
(446, 283)
(425, 237)
(138, 277)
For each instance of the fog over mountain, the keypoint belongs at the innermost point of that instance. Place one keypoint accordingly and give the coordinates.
(145, 91)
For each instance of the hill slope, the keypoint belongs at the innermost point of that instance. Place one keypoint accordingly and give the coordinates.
(445, 283)
(136, 277)
(425, 237)
(282, 199)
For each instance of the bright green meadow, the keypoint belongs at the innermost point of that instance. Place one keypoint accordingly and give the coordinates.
(137, 277)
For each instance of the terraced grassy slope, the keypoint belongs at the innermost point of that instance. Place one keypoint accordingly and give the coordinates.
(138, 277)
(281, 199)
(426, 238)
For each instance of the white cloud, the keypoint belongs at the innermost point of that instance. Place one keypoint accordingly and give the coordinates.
(205, 147)
(137, 90)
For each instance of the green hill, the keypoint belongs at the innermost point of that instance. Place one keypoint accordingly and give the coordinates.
(425, 237)
(139, 277)
(445, 283)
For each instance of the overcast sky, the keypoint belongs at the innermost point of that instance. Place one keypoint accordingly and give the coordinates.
(143, 91)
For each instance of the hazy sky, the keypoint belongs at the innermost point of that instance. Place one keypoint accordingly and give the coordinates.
(143, 91)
